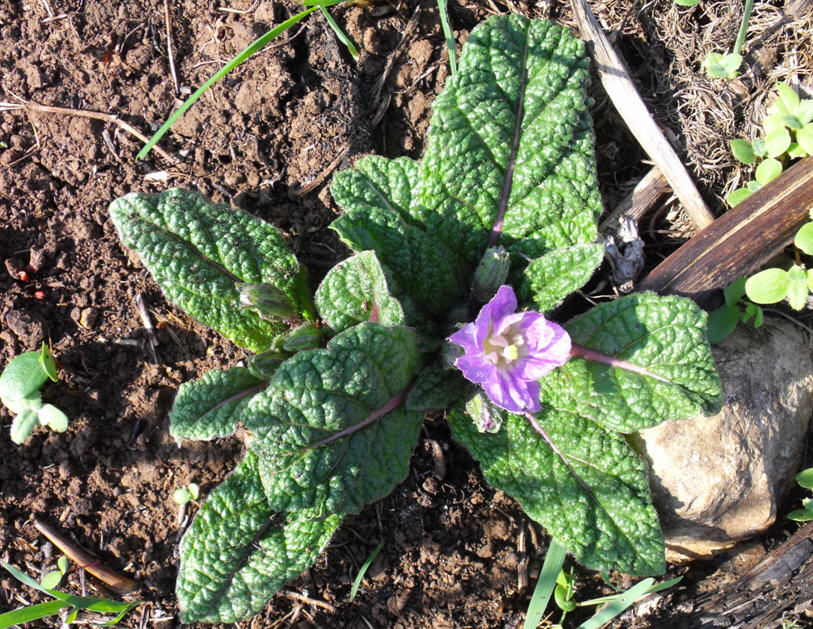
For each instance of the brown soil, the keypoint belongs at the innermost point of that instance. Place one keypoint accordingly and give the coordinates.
(267, 138)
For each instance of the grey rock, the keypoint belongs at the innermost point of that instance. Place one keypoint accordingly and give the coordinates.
(718, 480)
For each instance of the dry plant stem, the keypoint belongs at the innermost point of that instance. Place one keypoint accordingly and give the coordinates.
(643, 197)
(742, 240)
(169, 48)
(96, 115)
(621, 90)
(85, 560)
(296, 596)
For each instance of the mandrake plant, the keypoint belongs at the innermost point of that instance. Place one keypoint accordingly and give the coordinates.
(459, 259)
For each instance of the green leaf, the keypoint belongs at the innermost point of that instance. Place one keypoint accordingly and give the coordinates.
(804, 137)
(743, 151)
(768, 170)
(22, 377)
(722, 66)
(30, 613)
(622, 602)
(795, 151)
(238, 551)
(734, 292)
(585, 486)
(804, 238)
(805, 478)
(51, 580)
(49, 415)
(797, 287)
(768, 287)
(354, 291)
(666, 336)
(509, 151)
(552, 277)
(437, 388)
(759, 146)
(23, 425)
(363, 570)
(722, 322)
(210, 406)
(331, 429)
(47, 363)
(683, 3)
(801, 515)
(552, 566)
(738, 196)
(198, 250)
(777, 142)
(378, 198)
(31, 403)
(805, 111)
(787, 96)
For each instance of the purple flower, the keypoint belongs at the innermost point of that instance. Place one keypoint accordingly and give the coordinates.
(507, 352)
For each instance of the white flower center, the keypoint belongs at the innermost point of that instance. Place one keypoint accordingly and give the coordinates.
(503, 349)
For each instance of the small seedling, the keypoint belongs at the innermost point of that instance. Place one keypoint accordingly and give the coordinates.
(184, 494)
(728, 66)
(74, 604)
(805, 514)
(19, 392)
(51, 580)
(363, 570)
(788, 136)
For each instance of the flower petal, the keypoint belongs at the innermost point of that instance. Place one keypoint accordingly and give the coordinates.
(465, 337)
(512, 394)
(475, 367)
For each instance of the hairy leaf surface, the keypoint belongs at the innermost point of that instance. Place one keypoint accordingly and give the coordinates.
(197, 250)
(238, 551)
(355, 291)
(553, 276)
(510, 144)
(363, 372)
(664, 335)
(210, 406)
(586, 487)
(378, 198)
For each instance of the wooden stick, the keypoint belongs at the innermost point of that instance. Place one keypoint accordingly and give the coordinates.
(85, 560)
(638, 202)
(739, 242)
(619, 86)
(296, 596)
(169, 48)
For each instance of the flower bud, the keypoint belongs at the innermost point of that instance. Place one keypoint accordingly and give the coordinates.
(266, 300)
(487, 416)
(490, 273)
(264, 364)
(306, 336)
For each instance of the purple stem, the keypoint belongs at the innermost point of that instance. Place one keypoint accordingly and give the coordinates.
(393, 403)
(577, 351)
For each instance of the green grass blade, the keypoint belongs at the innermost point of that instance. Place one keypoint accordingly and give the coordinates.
(363, 570)
(23, 578)
(618, 605)
(606, 599)
(746, 18)
(351, 47)
(554, 560)
(447, 32)
(249, 50)
(29, 613)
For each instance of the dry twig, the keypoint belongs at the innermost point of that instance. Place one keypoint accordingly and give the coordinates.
(169, 48)
(85, 560)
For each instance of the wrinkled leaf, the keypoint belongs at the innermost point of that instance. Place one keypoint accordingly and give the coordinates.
(664, 335)
(210, 406)
(197, 250)
(378, 198)
(510, 144)
(238, 551)
(552, 277)
(588, 489)
(437, 388)
(362, 375)
(355, 291)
